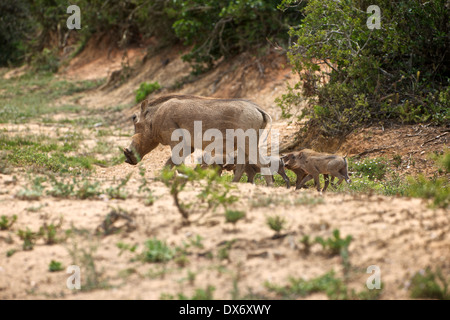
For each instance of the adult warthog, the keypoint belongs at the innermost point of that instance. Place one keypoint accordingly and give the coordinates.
(159, 119)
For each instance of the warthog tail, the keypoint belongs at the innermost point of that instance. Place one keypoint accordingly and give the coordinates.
(267, 119)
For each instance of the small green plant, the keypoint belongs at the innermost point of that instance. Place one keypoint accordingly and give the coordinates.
(437, 189)
(145, 89)
(49, 232)
(224, 250)
(445, 161)
(149, 199)
(9, 253)
(61, 189)
(233, 216)
(117, 192)
(335, 245)
(427, 284)
(276, 223)
(88, 190)
(157, 251)
(4, 166)
(214, 191)
(33, 193)
(126, 247)
(200, 294)
(334, 287)
(6, 223)
(29, 238)
(55, 266)
(306, 241)
(397, 160)
(181, 260)
(196, 242)
(46, 60)
(84, 256)
(191, 277)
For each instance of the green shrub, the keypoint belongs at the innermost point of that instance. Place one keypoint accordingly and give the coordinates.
(88, 190)
(276, 223)
(336, 244)
(427, 284)
(372, 168)
(117, 192)
(157, 251)
(55, 266)
(233, 216)
(334, 287)
(214, 190)
(13, 30)
(200, 294)
(437, 189)
(351, 76)
(6, 223)
(225, 28)
(29, 238)
(49, 232)
(46, 60)
(33, 193)
(145, 89)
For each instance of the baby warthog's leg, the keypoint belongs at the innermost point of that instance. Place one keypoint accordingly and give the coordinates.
(282, 173)
(338, 175)
(240, 168)
(327, 181)
(250, 170)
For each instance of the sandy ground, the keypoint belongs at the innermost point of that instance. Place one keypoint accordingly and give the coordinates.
(399, 235)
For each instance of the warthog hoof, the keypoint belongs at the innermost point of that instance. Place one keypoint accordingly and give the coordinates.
(130, 157)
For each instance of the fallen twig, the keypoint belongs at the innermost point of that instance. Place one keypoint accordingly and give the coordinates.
(435, 138)
(372, 150)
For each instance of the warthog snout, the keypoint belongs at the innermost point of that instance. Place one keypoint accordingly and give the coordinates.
(130, 157)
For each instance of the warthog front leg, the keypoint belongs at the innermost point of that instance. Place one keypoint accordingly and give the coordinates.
(240, 168)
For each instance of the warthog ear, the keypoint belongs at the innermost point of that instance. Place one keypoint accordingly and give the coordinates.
(144, 105)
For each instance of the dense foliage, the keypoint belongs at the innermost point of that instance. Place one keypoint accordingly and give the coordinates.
(352, 75)
(214, 29)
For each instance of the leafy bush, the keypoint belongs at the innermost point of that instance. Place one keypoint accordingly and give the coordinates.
(276, 223)
(214, 190)
(427, 284)
(6, 223)
(49, 232)
(156, 251)
(372, 168)
(233, 216)
(117, 192)
(13, 27)
(145, 89)
(351, 75)
(336, 244)
(334, 287)
(88, 190)
(225, 28)
(436, 189)
(33, 193)
(29, 238)
(46, 60)
(55, 266)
